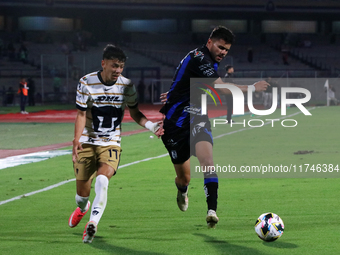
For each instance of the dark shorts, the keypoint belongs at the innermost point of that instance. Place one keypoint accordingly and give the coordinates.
(180, 142)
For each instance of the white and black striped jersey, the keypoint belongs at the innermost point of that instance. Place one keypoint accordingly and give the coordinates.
(104, 106)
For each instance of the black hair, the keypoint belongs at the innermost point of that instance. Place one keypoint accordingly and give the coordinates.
(221, 32)
(113, 52)
(227, 67)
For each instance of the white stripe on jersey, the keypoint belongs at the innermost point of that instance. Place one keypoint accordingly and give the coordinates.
(105, 107)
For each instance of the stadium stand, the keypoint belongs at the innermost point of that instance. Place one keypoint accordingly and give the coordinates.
(155, 55)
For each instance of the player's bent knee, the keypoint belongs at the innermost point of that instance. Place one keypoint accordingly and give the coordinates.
(206, 162)
(106, 170)
(183, 180)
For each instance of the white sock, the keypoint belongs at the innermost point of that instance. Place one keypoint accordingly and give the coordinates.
(82, 203)
(99, 202)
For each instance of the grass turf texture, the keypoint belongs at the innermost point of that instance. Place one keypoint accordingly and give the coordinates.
(142, 217)
(314, 137)
(37, 108)
(28, 135)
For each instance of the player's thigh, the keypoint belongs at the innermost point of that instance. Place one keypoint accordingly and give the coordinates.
(202, 142)
(177, 145)
(204, 153)
(108, 158)
(86, 165)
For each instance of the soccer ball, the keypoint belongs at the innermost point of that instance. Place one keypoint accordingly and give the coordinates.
(269, 227)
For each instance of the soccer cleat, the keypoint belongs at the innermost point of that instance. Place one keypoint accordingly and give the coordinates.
(182, 200)
(89, 232)
(211, 219)
(77, 215)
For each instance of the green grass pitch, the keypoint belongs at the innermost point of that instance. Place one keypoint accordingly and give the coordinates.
(142, 217)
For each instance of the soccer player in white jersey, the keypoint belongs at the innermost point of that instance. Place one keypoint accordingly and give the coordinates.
(101, 99)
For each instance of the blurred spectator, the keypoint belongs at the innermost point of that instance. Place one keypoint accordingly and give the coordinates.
(157, 89)
(75, 73)
(10, 96)
(285, 53)
(331, 96)
(79, 42)
(23, 53)
(307, 43)
(3, 95)
(270, 6)
(70, 59)
(23, 92)
(150, 92)
(141, 91)
(38, 98)
(250, 54)
(64, 47)
(56, 87)
(268, 93)
(31, 91)
(229, 98)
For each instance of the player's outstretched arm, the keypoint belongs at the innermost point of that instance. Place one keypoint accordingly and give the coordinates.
(78, 130)
(139, 118)
(257, 86)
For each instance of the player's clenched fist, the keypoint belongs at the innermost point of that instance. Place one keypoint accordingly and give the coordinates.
(261, 86)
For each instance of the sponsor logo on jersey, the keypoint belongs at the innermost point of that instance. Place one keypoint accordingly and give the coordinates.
(108, 99)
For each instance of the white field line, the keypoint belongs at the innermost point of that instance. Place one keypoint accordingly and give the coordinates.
(31, 157)
(71, 180)
(129, 164)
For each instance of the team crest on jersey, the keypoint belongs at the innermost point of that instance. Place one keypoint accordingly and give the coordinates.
(198, 54)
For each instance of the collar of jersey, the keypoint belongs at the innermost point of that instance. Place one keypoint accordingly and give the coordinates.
(101, 80)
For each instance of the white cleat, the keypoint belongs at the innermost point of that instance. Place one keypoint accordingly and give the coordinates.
(182, 200)
(211, 219)
(89, 232)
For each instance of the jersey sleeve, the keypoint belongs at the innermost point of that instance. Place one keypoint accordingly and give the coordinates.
(82, 95)
(130, 95)
(202, 66)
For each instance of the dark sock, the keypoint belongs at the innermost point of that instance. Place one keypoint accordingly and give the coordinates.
(210, 188)
(182, 189)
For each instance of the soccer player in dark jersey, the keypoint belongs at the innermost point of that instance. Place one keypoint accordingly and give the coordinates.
(186, 133)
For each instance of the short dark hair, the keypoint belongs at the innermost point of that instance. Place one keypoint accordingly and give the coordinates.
(227, 67)
(221, 32)
(113, 52)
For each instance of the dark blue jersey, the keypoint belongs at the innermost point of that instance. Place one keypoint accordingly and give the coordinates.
(197, 63)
